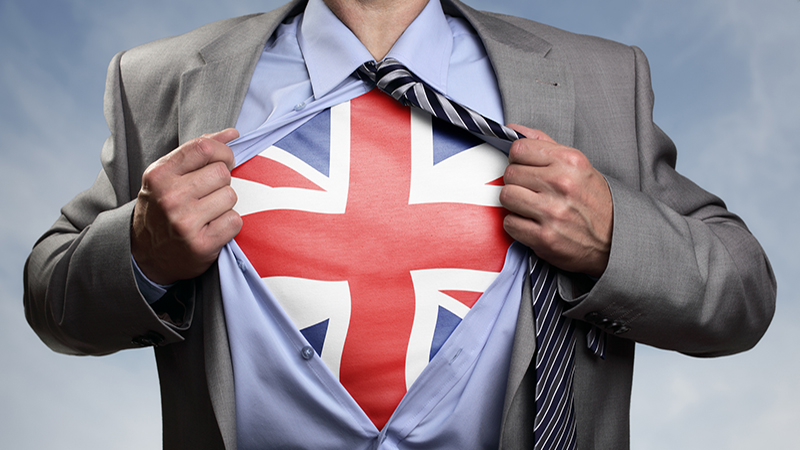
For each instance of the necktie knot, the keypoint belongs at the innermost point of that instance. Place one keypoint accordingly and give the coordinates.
(367, 71)
(395, 79)
(391, 77)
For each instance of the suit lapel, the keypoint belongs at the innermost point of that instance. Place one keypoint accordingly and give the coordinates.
(211, 97)
(537, 92)
(211, 94)
(217, 356)
(518, 413)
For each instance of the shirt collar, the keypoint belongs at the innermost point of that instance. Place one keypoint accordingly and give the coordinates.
(332, 52)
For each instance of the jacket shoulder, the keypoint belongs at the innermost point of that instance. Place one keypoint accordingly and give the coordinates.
(562, 40)
(176, 53)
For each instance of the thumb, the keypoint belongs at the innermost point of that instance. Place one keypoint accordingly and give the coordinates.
(224, 136)
(531, 133)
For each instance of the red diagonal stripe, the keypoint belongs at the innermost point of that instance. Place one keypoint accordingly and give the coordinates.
(468, 298)
(272, 173)
(497, 182)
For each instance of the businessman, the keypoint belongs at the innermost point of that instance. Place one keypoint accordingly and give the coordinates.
(338, 268)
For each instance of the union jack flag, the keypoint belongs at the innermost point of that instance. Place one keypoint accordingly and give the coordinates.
(376, 228)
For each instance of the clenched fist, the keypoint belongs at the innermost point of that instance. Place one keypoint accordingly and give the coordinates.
(184, 212)
(560, 205)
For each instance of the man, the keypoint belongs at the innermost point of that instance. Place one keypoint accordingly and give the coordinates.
(644, 254)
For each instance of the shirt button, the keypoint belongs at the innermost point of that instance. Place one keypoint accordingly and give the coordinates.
(299, 106)
(242, 265)
(307, 352)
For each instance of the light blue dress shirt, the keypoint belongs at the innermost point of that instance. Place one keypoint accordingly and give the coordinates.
(285, 395)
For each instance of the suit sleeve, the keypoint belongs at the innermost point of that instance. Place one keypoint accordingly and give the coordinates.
(80, 293)
(684, 273)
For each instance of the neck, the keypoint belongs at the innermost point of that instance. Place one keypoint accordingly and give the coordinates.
(377, 23)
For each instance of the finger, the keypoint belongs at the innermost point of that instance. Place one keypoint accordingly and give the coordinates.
(531, 133)
(529, 233)
(532, 152)
(521, 228)
(221, 230)
(205, 180)
(224, 136)
(214, 205)
(198, 153)
(535, 178)
(523, 202)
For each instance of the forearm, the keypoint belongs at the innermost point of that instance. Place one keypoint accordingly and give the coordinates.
(699, 284)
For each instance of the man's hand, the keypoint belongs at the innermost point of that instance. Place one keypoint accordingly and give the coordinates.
(560, 205)
(183, 214)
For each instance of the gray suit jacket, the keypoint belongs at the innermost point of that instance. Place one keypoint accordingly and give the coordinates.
(684, 273)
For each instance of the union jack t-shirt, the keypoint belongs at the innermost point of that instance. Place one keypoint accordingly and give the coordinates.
(376, 228)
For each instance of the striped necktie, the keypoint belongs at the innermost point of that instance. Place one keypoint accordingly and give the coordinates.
(554, 424)
(396, 80)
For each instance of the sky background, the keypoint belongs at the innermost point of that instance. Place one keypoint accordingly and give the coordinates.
(725, 73)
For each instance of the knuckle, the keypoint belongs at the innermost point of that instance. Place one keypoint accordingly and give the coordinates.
(153, 175)
(512, 226)
(565, 185)
(236, 222)
(201, 147)
(510, 173)
(570, 157)
(509, 222)
(230, 195)
(232, 224)
(182, 227)
(506, 195)
(559, 212)
(548, 236)
(221, 172)
(575, 159)
(169, 201)
(517, 150)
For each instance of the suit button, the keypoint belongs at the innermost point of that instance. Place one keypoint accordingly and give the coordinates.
(622, 329)
(149, 339)
(592, 316)
(307, 352)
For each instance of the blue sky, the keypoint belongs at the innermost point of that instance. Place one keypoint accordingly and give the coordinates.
(725, 77)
